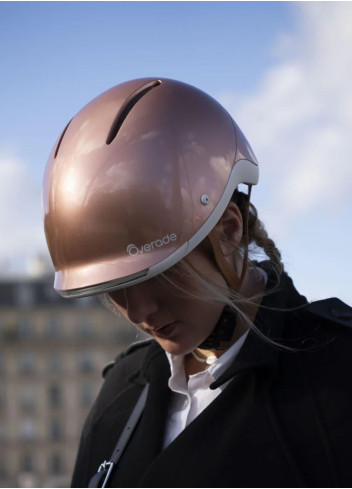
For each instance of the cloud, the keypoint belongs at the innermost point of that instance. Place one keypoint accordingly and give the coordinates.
(21, 227)
(299, 119)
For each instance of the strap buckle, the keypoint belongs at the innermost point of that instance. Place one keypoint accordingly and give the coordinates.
(107, 466)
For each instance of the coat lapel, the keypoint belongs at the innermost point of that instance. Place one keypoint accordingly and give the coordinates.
(146, 442)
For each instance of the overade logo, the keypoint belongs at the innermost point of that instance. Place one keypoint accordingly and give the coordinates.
(134, 250)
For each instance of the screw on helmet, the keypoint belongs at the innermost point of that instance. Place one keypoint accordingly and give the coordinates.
(138, 178)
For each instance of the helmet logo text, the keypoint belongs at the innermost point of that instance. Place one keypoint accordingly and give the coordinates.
(134, 250)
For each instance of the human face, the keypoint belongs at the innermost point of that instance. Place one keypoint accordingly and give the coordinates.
(178, 321)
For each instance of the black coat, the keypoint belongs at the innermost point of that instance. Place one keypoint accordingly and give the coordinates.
(285, 419)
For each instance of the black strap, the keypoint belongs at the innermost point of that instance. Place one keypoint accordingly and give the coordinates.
(101, 478)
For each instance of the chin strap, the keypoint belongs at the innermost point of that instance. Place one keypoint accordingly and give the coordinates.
(223, 331)
(246, 237)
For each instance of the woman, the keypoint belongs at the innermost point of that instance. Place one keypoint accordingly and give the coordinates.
(243, 383)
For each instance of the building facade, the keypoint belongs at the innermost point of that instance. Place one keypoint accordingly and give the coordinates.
(52, 352)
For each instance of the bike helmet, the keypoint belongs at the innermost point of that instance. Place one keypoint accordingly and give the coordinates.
(138, 178)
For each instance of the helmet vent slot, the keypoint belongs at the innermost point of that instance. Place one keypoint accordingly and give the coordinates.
(127, 107)
(61, 138)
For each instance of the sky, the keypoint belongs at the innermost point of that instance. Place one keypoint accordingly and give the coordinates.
(282, 69)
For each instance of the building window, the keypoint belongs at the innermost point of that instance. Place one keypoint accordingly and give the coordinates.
(25, 294)
(2, 432)
(9, 330)
(27, 430)
(54, 363)
(56, 430)
(87, 301)
(54, 328)
(56, 464)
(86, 395)
(86, 362)
(2, 469)
(25, 329)
(26, 362)
(2, 363)
(27, 397)
(49, 293)
(2, 398)
(85, 329)
(27, 463)
(55, 396)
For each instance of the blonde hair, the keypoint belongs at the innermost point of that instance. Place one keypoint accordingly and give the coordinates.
(204, 289)
(257, 234)
(201, 288)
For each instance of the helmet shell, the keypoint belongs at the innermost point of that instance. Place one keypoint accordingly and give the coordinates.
(137, 179)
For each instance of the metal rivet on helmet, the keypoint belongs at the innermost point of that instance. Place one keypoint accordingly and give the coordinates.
(205, 199)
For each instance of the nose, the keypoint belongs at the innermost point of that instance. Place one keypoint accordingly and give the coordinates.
(141, 303)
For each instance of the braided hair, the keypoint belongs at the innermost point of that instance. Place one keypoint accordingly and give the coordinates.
(257, 233)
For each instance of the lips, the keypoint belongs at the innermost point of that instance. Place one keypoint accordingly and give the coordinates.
(162, 331)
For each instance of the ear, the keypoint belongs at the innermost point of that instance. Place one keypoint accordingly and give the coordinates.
(230, 229)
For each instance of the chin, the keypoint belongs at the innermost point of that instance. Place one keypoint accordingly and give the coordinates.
(175, 348)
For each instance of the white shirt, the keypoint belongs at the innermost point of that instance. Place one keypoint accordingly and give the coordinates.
(190, 398)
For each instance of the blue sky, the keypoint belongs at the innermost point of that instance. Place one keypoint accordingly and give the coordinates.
(56, 56)
(282, 69)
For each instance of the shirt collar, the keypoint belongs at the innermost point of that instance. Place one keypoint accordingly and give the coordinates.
(216, 369)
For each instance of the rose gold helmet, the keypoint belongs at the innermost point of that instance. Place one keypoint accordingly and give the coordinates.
(138, 178)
